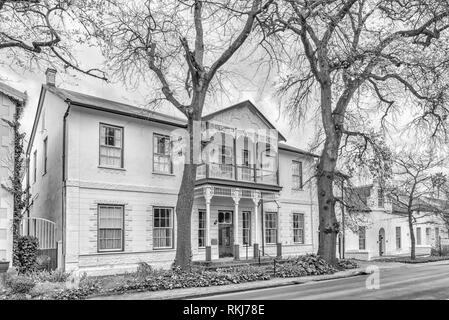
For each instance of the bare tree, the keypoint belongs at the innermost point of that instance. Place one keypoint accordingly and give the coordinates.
(161, 42)
(35, 30)
(343, 53)
(412, 189)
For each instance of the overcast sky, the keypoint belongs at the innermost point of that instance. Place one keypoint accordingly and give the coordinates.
(262, 97)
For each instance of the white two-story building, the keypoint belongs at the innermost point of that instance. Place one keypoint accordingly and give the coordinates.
(377, 226)
(107, 177)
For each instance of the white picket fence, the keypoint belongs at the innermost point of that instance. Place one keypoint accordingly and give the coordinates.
(44, 230)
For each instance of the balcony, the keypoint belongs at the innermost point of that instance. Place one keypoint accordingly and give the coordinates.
(236, 173)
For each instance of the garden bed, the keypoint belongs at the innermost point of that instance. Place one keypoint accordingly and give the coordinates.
(36, 286)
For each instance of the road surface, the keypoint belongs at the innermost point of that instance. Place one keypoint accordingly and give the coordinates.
(418, 281)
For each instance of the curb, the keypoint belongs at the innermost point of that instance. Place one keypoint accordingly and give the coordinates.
(268, 286)
(353, 273)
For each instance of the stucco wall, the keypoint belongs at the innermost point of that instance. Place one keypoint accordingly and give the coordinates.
(378, 219)
(46, 192)
(139, 189)
(7, 109)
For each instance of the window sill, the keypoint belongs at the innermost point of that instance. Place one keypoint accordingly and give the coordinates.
(163, 249)
(110, 251)
(163, 174)
(112, 168)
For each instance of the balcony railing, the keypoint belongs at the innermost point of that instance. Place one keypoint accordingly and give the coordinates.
(236, 173)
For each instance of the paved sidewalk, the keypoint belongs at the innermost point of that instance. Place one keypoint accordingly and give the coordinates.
(204, 291)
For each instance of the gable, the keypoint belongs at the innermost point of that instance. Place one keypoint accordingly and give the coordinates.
(243, 115)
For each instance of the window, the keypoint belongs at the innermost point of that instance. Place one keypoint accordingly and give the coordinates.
(428, 239)
(270, 227)
(43, 120)
(110, 228)
(380, 198)
(246, 227)
(437, 234)
(225, 217)
(418, 236)
(398, 237)
(296, 175)
(163, 228)
(162, 162)
(298, 228)
(362, 238)
(45, 155)
(34, 166)
(201, 228)
(245, 158)
(111, 146)
(226, 155)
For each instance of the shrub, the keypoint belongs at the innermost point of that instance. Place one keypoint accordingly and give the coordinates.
(43, 262)
(46, 290)
(27, 247)
(306, 265)
(347, 264)
(20, 284)
(50, 276)
(144, 269)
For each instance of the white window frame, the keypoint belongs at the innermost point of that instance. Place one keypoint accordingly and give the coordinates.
(380, 198)
(246, 229)
(202, 227)
(275, 228)
(418, 236)
(105, 146)
(163, 155)
(299, 227)
(362, 239)
(122, 242)
(170, 227)
(34, 166)
(398, 236)
(45, 158)
(297, 178)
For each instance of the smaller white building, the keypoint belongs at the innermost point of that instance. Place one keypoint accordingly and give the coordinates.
(377, 227)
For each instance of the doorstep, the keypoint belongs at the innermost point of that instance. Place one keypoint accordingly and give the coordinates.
(197, 292)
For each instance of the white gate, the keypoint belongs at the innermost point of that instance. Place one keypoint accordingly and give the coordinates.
(44, 230)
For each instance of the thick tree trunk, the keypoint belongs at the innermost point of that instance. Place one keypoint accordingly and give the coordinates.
(412, 237)
(183, 217)
(184, 204)
(329, 226)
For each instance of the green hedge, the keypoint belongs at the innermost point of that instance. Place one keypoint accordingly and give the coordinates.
(27, 247)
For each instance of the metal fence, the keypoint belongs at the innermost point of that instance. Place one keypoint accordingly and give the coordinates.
(45, 231)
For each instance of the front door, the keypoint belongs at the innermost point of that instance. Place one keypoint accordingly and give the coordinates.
(225, 234)
(381, 241)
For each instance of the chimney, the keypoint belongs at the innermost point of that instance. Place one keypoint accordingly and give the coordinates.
(51, 76)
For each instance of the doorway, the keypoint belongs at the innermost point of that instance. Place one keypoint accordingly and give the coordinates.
(381, 241)
(225, 234)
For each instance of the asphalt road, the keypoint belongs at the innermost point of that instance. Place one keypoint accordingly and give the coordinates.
(419, 281)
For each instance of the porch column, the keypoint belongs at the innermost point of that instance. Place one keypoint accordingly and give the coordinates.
(256, 199)
(236, 198)
(208, 194)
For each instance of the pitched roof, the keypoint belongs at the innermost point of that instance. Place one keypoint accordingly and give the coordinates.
(93, 102)
(357, 198)
(12, 93)
(286, 147)
(252, 107)
(425, 204)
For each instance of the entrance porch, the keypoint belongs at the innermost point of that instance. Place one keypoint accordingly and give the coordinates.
(233, 221)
